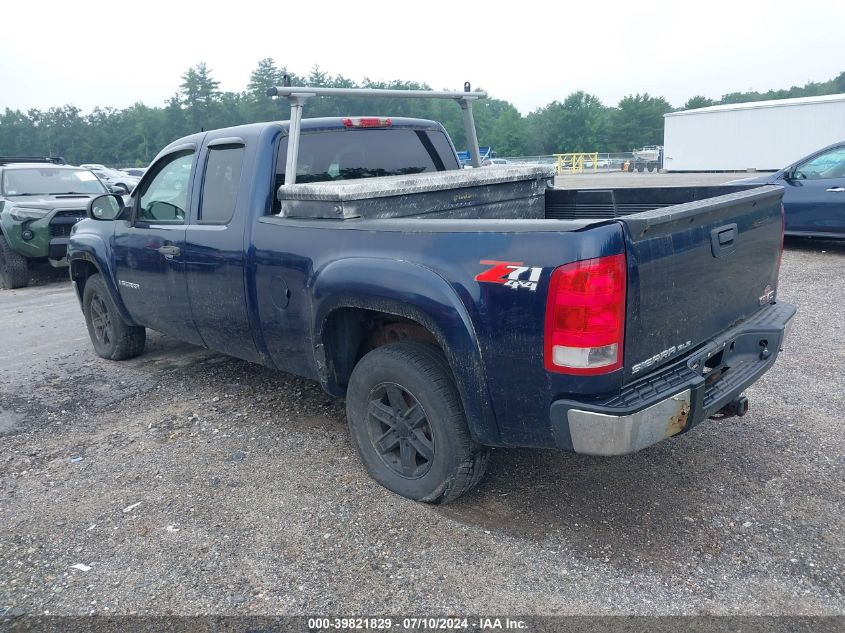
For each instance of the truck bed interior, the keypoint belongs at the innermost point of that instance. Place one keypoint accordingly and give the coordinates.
(596, 204)
(515, 193)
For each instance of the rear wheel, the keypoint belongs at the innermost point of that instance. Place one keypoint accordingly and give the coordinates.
(408, 424)
(112, 337)
(14, 270)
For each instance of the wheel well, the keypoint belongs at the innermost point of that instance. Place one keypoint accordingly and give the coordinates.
(349, 333)
(80, 270)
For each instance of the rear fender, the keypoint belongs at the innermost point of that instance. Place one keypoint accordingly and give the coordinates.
(417, 293)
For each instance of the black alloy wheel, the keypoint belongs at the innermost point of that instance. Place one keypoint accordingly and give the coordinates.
(399, 430)
(408, 423)
(101, 320)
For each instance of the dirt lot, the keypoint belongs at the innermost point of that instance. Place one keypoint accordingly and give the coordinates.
(193, 483)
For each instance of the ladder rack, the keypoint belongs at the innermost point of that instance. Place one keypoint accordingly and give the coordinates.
(298, 95)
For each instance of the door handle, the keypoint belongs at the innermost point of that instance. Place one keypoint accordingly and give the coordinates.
(836, 189)
(169, 251)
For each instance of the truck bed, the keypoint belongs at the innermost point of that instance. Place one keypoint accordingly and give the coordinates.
(700, 258)
(501, 193)
(580, 204)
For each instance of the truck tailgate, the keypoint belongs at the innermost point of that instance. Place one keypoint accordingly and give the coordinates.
(695, 270)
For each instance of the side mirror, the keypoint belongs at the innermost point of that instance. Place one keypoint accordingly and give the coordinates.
(119, 188)
(108, 206)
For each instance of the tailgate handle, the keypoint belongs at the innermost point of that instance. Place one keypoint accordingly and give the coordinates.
(723, 240)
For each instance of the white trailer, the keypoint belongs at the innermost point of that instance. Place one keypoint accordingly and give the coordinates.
(760, 135)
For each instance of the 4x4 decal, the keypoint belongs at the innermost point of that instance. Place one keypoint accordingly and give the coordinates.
(511, 274)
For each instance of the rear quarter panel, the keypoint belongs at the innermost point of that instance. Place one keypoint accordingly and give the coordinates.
(492, 333)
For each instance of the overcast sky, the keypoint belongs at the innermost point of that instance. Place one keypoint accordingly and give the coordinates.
(118, 53)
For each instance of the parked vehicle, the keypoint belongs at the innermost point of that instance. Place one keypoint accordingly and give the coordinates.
(137, 172)
(813, 192)
(648, 158)
(116, 181)
(485, 153)
(454, 310)
(40, 200)
(494, 162)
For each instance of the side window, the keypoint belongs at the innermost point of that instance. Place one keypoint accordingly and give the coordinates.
(220, 184)
(828, 165)
(165, 196)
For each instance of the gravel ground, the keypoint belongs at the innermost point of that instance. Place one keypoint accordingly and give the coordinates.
(186, 482)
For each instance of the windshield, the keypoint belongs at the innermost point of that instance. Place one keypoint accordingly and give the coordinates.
(50, 181)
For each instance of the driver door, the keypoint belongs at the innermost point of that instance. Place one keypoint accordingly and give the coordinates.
(814, 195)
(149, 247)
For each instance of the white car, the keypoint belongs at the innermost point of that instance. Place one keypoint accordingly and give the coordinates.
(113, 177)
(137, 172)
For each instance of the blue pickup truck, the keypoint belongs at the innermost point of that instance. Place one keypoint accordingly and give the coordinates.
(454, 310)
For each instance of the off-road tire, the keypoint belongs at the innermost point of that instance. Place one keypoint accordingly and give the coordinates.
(421, 373)
(14, 270)
(111, 336)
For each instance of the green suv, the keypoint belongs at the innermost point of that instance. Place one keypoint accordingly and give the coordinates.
(40, 201)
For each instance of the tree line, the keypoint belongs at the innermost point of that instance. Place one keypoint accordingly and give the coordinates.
(133, 135)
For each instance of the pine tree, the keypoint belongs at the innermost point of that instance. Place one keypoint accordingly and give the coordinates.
(199, 93)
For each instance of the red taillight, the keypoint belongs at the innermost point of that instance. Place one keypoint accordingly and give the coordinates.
(368, 121)
(585, 317)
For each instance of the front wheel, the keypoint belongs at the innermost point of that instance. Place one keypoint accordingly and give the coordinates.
(408, 424)
(112, 337)
(14, 270)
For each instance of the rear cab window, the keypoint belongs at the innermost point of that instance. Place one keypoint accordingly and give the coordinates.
(344, 154)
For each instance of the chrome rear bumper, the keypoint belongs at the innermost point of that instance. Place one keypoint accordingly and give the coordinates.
(674, 398)
(601, 434)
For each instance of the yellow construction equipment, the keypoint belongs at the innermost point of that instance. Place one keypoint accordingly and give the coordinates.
(573, 163)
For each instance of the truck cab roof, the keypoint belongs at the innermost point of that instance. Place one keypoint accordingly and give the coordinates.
(253, 130)
(338, 148)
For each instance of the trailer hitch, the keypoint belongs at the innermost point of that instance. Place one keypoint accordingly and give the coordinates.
(737, 407)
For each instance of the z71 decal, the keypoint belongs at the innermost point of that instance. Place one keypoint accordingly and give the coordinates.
(511, 274)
